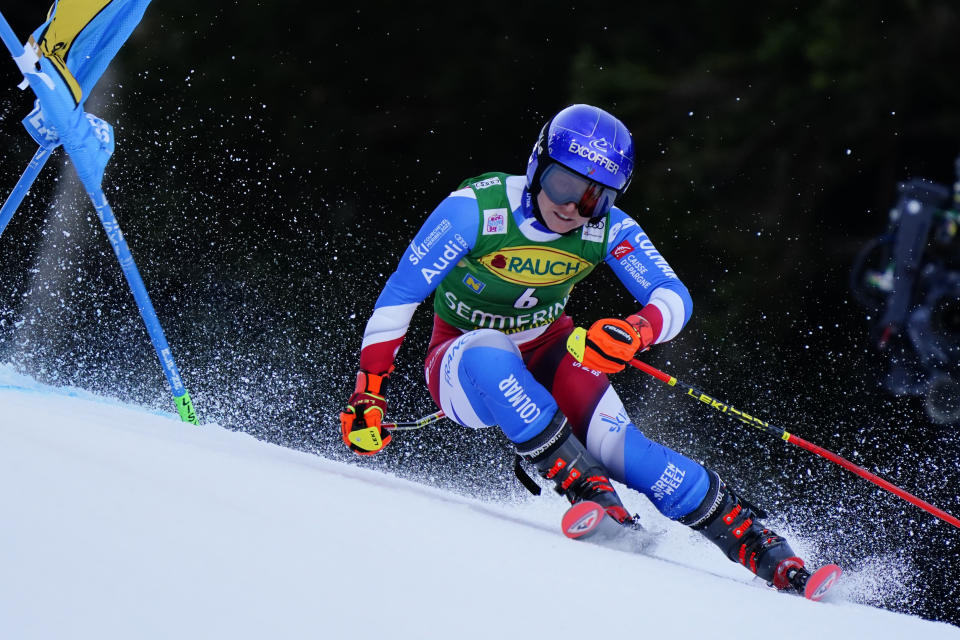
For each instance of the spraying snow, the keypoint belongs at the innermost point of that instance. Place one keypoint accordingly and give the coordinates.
(124, 523)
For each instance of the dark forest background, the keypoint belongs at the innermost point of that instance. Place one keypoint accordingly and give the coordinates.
(274, 159)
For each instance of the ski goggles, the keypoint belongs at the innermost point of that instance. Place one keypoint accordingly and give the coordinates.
(562, 186)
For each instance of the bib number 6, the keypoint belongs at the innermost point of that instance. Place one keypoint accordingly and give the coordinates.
(526, 300)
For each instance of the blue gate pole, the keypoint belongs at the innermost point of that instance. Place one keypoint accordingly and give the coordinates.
(23, 185)
(10, 38)
(180, 395)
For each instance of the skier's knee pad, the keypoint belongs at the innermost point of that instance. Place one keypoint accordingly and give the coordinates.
(488, 358)
(486, 352)
(484, 381)
(461, 385)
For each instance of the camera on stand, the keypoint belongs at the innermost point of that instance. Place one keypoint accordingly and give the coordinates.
(908, 280)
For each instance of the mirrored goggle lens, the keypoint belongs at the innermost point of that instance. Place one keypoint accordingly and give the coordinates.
(562, 186)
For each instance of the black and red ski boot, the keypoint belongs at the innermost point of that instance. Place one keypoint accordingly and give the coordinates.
(734, 525)
(557, 455)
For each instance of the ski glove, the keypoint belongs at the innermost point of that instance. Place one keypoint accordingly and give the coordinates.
(361, 421)
(610, 343)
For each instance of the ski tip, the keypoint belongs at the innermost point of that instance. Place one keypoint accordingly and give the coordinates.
(582, 519)
(821, 581)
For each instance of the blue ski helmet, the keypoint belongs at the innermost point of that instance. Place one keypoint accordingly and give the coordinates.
(588, 141)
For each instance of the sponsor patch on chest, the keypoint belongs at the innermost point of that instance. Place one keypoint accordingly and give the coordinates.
(534, 266)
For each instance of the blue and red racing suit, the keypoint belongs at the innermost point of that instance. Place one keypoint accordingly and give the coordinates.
(498, 354)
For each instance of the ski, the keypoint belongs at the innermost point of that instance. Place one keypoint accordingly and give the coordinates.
(816, 585)
(589, 521)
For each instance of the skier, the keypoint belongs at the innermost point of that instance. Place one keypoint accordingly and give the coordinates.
(501, 254)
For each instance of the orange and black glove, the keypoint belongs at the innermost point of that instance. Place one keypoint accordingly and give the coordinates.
(610, 343)
(361, 421)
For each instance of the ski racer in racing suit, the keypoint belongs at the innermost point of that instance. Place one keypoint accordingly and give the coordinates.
(502, 254)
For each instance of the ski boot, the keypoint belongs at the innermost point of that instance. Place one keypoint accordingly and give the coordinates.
(733, 524)
(557, 455)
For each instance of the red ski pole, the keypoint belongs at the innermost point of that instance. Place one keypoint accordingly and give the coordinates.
(746, 418)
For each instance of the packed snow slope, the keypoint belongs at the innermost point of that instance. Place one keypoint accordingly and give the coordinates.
(120, 523)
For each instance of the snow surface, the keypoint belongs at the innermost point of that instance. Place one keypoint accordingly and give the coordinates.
(121, 523)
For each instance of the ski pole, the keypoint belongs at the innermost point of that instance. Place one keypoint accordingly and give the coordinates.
(746, 418)
(415, 424)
